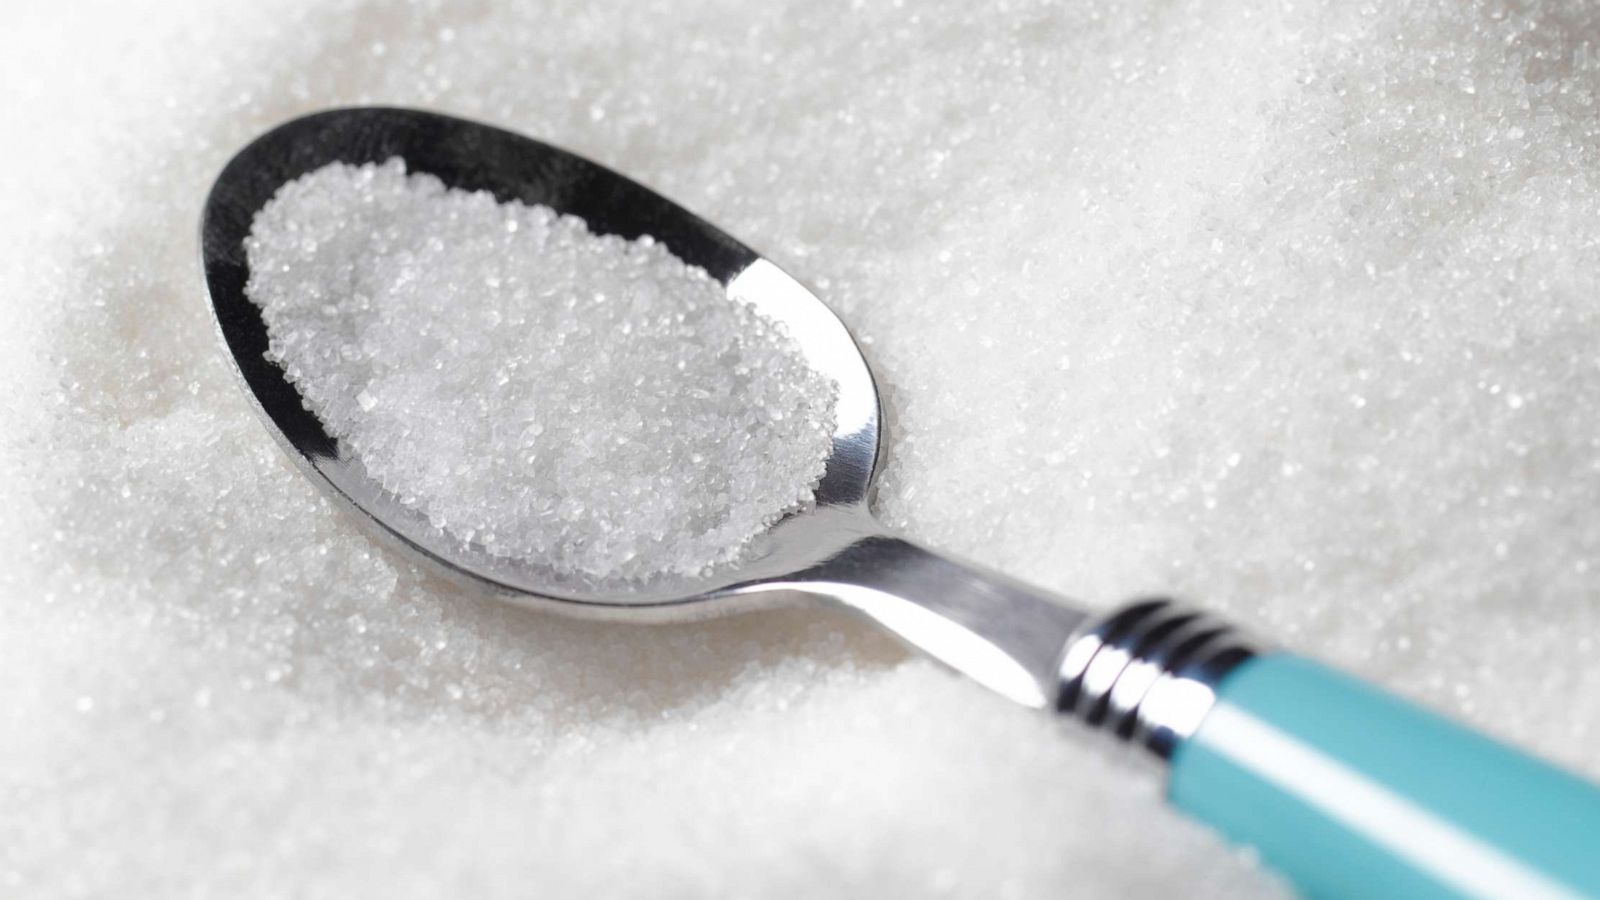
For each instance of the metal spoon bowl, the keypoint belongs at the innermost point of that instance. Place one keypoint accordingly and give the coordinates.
(472, 156)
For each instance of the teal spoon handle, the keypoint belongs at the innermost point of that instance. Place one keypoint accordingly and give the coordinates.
(1345, 790)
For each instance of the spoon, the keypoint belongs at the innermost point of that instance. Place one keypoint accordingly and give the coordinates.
(1344, 789)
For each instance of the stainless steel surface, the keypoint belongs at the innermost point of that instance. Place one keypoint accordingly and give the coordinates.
(1147, 672)
(1000, 632)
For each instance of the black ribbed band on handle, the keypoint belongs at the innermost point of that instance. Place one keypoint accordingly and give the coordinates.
(1147, 672)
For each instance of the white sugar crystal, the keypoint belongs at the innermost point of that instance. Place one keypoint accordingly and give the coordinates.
(1120, 267)
(585, 402)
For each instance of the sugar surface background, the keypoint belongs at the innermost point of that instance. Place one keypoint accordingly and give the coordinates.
(1288, 309)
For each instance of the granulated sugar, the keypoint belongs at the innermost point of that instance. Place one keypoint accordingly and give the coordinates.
(584, 402)
(1288, 307)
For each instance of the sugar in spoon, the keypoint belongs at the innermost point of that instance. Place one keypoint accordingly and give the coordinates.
(1346, 790)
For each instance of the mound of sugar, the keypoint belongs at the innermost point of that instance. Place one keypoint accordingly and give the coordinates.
(582, 401)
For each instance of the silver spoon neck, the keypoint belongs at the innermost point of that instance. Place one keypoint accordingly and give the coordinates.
(1145, 672)
(1004, 634)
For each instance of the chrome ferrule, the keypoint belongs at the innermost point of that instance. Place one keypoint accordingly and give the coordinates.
(1148, 671)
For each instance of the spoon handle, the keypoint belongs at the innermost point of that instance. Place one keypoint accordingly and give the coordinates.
(1346, 790)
